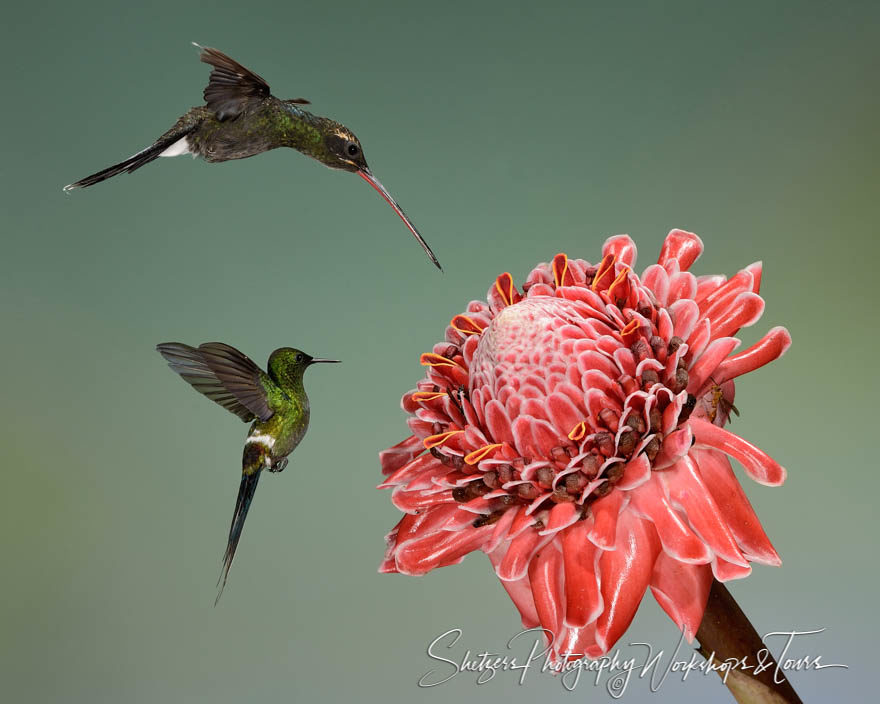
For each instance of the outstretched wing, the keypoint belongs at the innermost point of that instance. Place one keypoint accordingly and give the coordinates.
(223, 374)
(231, 86)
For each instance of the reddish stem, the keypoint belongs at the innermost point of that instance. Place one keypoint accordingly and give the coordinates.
(727, 634)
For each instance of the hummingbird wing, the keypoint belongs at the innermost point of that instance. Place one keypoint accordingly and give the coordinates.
(231, 86)
(224, 375)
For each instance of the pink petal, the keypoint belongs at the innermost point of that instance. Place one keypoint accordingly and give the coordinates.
(636, 473)
(682, 592)
(522, 548)
(562, 516)
(656, 279)
(675, 535)
(545, 577)
(769, 348)
(421, 555)
(685, 314)
(577, 643)
(686, 490)
(758, 464)
(755, 270)
(708, 362)
(707, 285)
(395, 457)
(498, 423)
(605, 513)
(732, 501)
(583, 600)
(726, 292)
(746, 309)
(675, 446)
(681, 245)
(563, 413)
(682, 286)
(625, 574)
(520, 592)
(623, 248)
(724, 571)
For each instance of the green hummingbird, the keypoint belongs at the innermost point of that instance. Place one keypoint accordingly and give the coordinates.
(276, 403)
(242, 118)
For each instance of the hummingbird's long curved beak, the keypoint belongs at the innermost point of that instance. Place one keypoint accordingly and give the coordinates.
(367, 175)
(318, 360)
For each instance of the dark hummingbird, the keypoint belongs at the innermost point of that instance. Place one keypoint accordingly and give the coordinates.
(276, 403)
(242, 118)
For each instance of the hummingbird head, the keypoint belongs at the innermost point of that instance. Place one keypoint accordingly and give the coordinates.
(289, 364)
(342, 150)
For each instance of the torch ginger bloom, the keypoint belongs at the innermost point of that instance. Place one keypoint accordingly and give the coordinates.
(573, 432)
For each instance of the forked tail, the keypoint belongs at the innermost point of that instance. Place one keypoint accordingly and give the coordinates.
(136, 161)
(245, 494)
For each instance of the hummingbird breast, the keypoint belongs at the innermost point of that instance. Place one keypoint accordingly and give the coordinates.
(274, 439)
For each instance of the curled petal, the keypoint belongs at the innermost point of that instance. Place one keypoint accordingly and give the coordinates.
(745, 310)
(769, 348)
(758, 464)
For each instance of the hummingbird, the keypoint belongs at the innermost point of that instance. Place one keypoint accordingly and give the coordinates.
(241, 118)
(275, 403)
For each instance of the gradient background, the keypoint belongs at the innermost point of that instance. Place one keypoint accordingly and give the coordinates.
(509, 133)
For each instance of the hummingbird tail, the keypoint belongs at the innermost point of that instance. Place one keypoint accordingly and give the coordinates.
(136, 161)
(245, 494)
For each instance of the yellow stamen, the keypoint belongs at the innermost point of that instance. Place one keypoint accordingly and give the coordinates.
(439, 439)
(421, 396)
(630, 327)
(606, 264)
(430, 359)
(578, 432)
(477, 455)
(506, 296)
(559, 278)
(466, 325)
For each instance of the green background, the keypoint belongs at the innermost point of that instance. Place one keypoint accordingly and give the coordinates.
(509, 132)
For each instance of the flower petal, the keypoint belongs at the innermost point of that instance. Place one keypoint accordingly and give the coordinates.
(684, 246)
(583, 600)
(676, 537)
(682, 592)
(758, 464)
(686, 490)
(626, 573)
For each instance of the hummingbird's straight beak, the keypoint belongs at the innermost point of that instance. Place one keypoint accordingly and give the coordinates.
(367, 175)
(325, 361)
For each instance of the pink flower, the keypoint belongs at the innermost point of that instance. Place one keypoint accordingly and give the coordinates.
(574, 434)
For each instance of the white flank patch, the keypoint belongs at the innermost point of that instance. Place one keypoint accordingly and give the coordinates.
(264, 440)
(181, 146)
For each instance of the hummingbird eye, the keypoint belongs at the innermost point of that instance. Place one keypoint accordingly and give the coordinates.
(352, 149)
(299, 357)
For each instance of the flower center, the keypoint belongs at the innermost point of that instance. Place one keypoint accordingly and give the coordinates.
(581, 391)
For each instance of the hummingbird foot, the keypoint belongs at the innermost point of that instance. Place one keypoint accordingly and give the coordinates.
(279, 465)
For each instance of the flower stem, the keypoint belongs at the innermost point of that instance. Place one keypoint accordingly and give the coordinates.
(727, 634)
